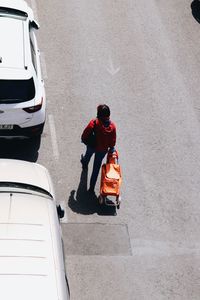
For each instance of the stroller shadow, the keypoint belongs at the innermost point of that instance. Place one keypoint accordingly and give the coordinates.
(195, 6)
(86, 203)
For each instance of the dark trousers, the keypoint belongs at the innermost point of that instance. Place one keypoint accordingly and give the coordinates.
(97, 163)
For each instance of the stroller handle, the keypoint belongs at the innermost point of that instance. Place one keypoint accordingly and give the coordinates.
(112, 157)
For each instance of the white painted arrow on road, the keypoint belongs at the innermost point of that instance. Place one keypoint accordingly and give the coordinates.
(111, 69)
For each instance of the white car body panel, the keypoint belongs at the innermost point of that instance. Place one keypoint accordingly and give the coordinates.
(14, 114)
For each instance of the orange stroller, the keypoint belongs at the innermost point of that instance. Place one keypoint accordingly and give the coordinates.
(110, 181)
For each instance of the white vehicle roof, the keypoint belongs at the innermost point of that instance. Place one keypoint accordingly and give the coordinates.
(15, 55)
(12, 38)
(29, 257)
(19, 171)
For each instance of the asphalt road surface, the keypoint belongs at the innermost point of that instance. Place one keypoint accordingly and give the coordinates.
(142, 58)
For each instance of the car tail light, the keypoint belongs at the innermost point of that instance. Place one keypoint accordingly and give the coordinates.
(34, 108)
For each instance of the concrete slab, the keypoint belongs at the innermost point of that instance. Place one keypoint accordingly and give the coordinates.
(96, 239)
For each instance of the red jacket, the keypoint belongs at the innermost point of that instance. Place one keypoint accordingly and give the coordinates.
(105, 134)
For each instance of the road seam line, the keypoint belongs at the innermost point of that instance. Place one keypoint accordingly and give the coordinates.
(53, 136)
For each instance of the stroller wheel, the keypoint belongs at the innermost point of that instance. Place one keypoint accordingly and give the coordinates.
(118, 201)
(101, 199)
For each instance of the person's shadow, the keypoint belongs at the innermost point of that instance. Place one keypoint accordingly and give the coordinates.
(22, 149)
(195, 6)
(86, 203)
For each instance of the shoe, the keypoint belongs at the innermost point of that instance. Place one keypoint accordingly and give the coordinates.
(84, 165)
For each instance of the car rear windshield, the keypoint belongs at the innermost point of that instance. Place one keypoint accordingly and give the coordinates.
(28, 187)
(13, 13)
(15, 91)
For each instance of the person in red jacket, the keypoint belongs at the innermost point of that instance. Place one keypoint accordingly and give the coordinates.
(105, 138)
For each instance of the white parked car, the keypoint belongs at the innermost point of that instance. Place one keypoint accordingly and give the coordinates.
(32, 265)
(22, 93)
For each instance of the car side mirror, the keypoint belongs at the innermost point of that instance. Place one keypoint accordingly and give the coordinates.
(60, 211)
(35, 24)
